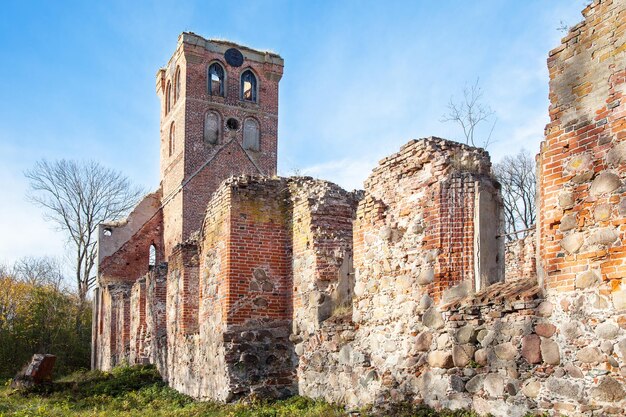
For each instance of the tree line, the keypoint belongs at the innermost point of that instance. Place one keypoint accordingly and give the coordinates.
(39, 311)
(40, 314)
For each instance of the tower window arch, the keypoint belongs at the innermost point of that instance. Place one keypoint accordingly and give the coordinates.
(251, 135)
(177, 85)
(212, 128)
(168, 97)
(172, 139)
(152, 256)
(216, 80)
(248, 86)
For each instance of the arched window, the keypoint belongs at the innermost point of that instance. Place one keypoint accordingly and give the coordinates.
(172, 142)
(251, 135)
(152, 257)
(212, 127)
(216, 80)
(248, 86)
(168, 97)
(177, 85)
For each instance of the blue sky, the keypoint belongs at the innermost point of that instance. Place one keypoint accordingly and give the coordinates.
(361, 78)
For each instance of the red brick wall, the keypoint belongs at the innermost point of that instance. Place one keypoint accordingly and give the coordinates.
(259, 267)
(196, 168)
(138, 329)
(451, 231)
(183, 266)
(582, 201)
(131, 261)
(416, 224)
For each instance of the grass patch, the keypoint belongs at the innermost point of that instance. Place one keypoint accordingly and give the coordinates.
(139, 391)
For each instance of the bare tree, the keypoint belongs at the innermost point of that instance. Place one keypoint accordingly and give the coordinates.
(78, 196)
(39, 271)
(471, 114)
(517, 176)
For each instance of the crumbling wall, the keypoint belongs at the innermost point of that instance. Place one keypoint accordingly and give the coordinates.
(124, 246)
(213, 294)
(521, 257)
(138, 328)
(504, 351)
(581, 183)
(417, 221)
(182, 318)
(580, 215)
(323, 273)
(415, 240)
(113, 326)
(516, 346)
(259, 355)
(123, 257)
(246, 258)
(156, 328)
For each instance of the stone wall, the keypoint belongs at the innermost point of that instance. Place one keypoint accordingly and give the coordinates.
(417, 227)
(138, 328)
(323, 274)
(503, 351)
(520, 257)
(156, 331)
(582, 199)
(113, 325)
(416, 238)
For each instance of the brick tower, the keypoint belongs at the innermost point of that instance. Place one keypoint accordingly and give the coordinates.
(219, 117)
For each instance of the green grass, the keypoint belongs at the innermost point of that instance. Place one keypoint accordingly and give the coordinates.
(139, 391)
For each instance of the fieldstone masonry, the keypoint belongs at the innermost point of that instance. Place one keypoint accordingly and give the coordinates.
(268, 287)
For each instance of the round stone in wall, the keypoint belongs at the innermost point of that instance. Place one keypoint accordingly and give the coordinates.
(233, 57)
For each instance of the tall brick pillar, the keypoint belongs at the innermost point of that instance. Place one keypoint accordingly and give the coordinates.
(208, 124)
(582, 164)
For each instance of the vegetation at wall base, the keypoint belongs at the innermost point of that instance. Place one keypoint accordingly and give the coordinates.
(39, 315)
(139, 391)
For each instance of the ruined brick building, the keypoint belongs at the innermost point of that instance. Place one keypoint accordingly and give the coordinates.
(236, 282)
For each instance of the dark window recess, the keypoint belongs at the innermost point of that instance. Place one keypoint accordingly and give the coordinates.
(177, 85)
(216, 80)
(168, 98)
(232, 124)
(172, 139)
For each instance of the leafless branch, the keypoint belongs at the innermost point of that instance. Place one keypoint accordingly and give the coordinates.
(517, 176)
(78, 196)
(470, 113)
